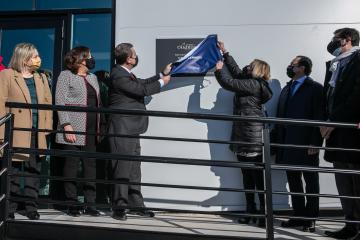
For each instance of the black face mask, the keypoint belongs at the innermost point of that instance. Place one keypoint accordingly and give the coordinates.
(290, 71)
(247, 71)
(136, 61)
(333, 45)
(90, 63)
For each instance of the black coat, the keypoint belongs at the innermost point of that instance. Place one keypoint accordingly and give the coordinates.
(250, 94)
(345, 108)
(306, 103)
(128, 92)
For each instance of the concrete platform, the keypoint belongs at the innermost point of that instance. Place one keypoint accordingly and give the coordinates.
(216, 227)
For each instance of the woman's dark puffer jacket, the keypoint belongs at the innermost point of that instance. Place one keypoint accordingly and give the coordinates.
(250, 94)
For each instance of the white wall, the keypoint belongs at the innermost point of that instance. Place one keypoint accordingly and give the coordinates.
(275, 31)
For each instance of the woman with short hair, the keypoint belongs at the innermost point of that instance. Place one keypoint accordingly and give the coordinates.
(23, 84)
(76, 86)
(251, 92)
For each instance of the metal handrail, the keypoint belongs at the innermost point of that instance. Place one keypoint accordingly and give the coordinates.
(5, 147)
(223, 117)
(153, 159)
(115, 181)
(4, 119)
(266, 167)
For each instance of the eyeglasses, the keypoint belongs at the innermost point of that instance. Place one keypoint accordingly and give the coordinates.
(133, 57)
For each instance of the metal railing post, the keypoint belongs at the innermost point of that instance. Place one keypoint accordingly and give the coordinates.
(268, 186)
(7, 160)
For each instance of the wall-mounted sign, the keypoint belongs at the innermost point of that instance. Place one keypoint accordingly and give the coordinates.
(171, 50)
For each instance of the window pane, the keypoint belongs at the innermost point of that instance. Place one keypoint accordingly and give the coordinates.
(11, 5)
(66, 4)
(42, 38)
(94, 31)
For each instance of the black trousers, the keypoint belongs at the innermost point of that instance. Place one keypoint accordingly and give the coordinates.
(71, 167)
(253, 179)
(123, 194)
(30, 167)
(304, 206)
(349, 185)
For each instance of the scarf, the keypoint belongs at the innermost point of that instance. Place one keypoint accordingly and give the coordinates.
(337, 63)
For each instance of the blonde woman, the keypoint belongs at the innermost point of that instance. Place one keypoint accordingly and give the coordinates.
(21, 83)
(251, 92)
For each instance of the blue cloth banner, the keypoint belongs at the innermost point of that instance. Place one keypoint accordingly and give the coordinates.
(200, 59)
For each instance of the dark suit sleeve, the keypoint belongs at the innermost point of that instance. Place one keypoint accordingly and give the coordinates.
(232, 66)
(244, 87)
(318, 114)
(150, 79)
(126, 84)
(349, 109)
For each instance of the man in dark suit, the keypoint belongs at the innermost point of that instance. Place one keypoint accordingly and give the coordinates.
(301, 98)
(126, 91)
(342, 91)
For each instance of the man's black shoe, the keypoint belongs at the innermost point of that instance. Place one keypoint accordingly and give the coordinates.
(142, 213)
(292, 223)
(91, 211)
(309, 226)
(261, 222)
(11, 216)
(357, 237)
(33, 215)
(74, 212)
(119, 215)
(344, 233)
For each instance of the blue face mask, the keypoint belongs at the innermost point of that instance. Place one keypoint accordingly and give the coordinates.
(334, 48)
(337, 52)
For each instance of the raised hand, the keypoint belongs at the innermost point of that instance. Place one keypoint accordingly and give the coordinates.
(219, 65)
(167, 69)
(166, 79)
(221, 45)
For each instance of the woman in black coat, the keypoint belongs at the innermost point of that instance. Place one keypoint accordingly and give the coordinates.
(251, 92)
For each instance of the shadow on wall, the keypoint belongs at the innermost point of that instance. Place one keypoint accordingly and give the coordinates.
(279, 177)
(219, 130)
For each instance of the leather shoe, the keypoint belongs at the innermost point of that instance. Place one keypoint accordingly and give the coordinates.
(261, 222)
(246, 220)
(33, 215)
(142, 213)
(357, 237)
(344, 233)
(92, 211)
(292, 223)
(309, 226)
(11, 216)
(74, 212)
(119, 215)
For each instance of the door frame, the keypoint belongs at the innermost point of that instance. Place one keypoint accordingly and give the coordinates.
(66, 17)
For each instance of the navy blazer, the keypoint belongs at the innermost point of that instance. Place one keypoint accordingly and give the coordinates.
(306, 103)
(126, 91)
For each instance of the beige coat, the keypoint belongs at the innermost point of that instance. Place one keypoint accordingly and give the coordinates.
(14, 89)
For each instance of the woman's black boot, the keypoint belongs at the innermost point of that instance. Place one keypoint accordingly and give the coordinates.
(250, 209)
